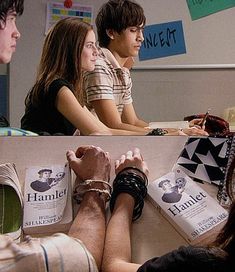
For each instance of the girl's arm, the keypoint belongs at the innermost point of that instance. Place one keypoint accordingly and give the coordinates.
(67, 104)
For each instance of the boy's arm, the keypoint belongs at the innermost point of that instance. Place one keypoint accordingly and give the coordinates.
(129, 116)
(107, 112)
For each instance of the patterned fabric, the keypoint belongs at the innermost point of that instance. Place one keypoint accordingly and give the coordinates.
(108, 81)
(55, 253)
(205, 158)
(223, 197)
(10, 131)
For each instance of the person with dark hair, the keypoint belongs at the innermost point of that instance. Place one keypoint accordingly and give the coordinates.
(108, 88)
(9, 33)
(217, 256)
(120, 25)
(55, 105)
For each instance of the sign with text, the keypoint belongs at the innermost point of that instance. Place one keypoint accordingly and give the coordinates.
(202, 8)
(163, 40)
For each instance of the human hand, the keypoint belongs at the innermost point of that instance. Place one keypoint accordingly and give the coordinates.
(194, 131)
(131, 159)
(198, 123)
(90, 162)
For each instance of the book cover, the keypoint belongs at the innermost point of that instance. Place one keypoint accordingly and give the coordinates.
(189, 208)
(47, 199)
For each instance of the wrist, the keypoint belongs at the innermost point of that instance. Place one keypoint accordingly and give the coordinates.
(133, 184)
(125, 200)
(90, 186)
(135, 171)
(93, 199)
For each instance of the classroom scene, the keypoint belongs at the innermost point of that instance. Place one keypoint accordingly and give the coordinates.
(117, 122)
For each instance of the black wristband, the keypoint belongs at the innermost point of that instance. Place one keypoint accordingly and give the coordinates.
(132, 184)
(157, 132)
(135, 171)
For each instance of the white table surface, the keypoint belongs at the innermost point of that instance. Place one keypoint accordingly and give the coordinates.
(152, 235)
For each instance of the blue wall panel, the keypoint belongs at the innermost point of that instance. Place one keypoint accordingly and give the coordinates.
(3, 96)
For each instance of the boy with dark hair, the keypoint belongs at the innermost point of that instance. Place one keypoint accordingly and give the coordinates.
(118, 16)
(120, 25)
(9, 33)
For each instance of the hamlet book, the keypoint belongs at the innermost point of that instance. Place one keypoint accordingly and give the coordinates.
(47, 199)
(189, 208)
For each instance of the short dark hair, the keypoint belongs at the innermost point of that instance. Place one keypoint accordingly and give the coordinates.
(162, 182)
(44, 170)
(10, 5)
(118, 15)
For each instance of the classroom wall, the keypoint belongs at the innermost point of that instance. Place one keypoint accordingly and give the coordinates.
(3, 69)
(169, 95)
(165, 94)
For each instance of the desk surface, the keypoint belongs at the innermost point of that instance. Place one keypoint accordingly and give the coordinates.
(152, 234)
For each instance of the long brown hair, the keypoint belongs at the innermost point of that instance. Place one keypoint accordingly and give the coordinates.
(61, 57)
(225, 240)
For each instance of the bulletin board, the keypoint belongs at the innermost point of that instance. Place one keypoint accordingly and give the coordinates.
(209, 40)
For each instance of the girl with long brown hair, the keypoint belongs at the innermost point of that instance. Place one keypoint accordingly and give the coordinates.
(54, 105)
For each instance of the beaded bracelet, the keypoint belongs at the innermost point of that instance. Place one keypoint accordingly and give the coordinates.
(133, 184)
(86, 186)
(91, 181)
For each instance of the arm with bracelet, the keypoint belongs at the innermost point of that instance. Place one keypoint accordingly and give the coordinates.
(92, 168)
(129, 190)
(126, 204)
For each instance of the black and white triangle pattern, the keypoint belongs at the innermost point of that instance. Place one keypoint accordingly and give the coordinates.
(205, 158)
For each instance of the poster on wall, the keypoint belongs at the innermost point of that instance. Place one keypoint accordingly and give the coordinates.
(57, 11)
(202, 8)
(163, 40)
